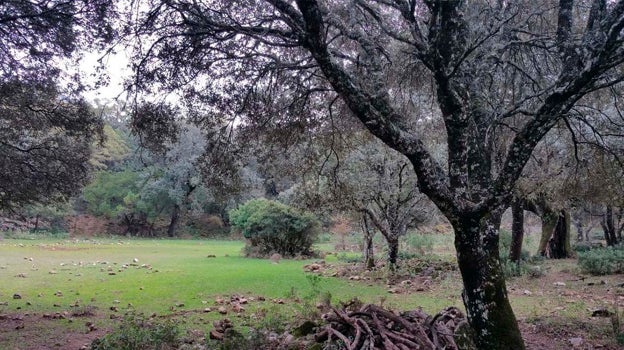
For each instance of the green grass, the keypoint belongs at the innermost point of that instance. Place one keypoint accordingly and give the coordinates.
(181, 273)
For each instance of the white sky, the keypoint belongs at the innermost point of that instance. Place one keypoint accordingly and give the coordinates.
(116, 67)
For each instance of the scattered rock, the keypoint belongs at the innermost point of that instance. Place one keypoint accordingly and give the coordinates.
(21, 275)
(135, 260)
(207, 309)
(222, 310)
(527, 292)
(576, 342)
(275, 258)
(17, 296)
(90, 327)
(602, 313)
(237, 308)
(216, 335)
(179, 305)
(312, 267)
(559, 284)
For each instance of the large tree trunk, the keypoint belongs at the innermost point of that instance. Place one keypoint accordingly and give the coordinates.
(175, 216)
(485, 294)
(517, 231)
(559, 243)
(549, 221)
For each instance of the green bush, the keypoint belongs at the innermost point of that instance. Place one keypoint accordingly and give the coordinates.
(602, 261)
(272, 227)
(582, 247)
(137, 332)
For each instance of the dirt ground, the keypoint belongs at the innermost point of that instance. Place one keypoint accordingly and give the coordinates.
(42, 332)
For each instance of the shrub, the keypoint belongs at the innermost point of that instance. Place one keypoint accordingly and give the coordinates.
(272, 227)
(602, 261)
(137, 332)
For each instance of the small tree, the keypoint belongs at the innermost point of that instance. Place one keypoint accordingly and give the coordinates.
(273, 227)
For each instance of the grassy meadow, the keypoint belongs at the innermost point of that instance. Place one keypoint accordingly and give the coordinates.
(181, 279)
(159, 276)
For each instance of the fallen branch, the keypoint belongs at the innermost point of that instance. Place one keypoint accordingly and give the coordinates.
(372, 327)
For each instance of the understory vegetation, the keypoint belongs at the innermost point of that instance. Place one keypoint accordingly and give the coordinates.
(602, 261)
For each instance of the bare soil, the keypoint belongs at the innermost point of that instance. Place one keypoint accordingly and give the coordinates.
(42, 332)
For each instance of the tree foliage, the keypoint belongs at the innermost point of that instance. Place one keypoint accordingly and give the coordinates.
(111, 193)
(272, 227)
(36, 35)
(45, 143)
(46, 129)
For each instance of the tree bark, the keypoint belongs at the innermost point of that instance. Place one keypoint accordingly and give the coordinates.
(369, 257)
(559, 243)
(175, 216)
(393, 251)
(485, 294)
(549, 220)
(517, 231)
(608, 226)
(580, 232)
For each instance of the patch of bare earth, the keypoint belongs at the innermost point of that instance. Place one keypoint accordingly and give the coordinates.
(47, 331)
(572, 310)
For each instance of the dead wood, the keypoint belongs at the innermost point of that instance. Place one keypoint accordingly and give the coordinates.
(374, 328)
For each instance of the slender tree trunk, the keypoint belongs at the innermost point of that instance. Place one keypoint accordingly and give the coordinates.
(175, 216)
(369, 257)
(578, 223)
(619, 224)
(485, 294)
(393, 251)
(517, 231)
(608, 226)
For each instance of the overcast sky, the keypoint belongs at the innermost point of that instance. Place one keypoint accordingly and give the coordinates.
(116, 68)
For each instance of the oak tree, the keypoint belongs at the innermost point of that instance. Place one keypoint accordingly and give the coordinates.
(498, 74)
